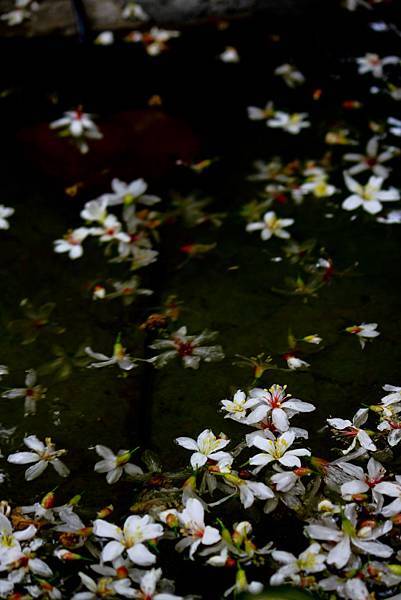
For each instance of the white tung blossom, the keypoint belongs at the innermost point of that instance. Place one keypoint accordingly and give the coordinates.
(206, 446)
(42, 454)
(370, 196)
(271, 226)
(131, 538)
(115, 464)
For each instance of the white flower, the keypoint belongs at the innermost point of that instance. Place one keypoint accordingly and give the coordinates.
(290, 75)
(365, 332)
(78, 125)
(353, 429)
(128, 290)
(392, 218)
(271, 225)
(277, 451)
(115, 464)
(136, 530)
(206, 446)
(314, 338)
(292, 123)
(319, 187)
(350, 537)
(42, 455)
(311, 560)
(372, 63)
(229, 55)
(372, 160)
(130, 193)
(111, 230)
(155, 40)
(237, 407)
(249, 490)
(72, 242)
(32, 393)
(393, 489)
(119, 358)
(10, 547)
(105, 38)
(148, 587)
(277, 405)
(5, 212)
(105, 587)
(195, 531)
(95, 210)
(188, 347)
(293, 362)
(362, 482)
(369, 196)
(259, 114)
(3, 371)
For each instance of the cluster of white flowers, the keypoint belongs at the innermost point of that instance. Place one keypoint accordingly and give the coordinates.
(132, 238)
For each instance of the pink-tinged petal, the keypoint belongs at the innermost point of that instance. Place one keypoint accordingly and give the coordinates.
(112, 550)
(340, 554)
(23, 458)
(389, 488)
(34, 443)
(392, 509)
(140, 555)
(354, 487)
(36, 470)
(211, 535)
(102, 528)
(187, 443)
